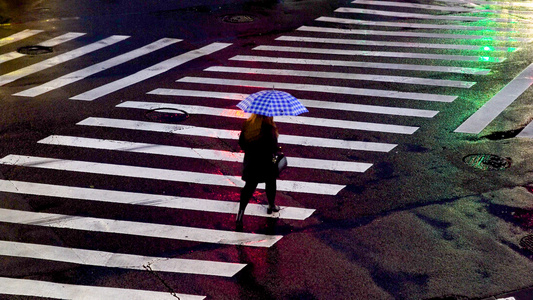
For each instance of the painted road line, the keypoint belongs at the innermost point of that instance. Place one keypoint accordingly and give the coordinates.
(527, 132)
(149, 200)
(412, 55)
(432, 7)
(345, 76)
(488, 112)
(197, 153)
(361, 64)
(119, 260)
(162, 174)
(18, 36)
(302, 39)
(412, 34)
(374, 109)
(500, 4)
(61, 58)
(137, 228)
(150, 72)
(234, 134)
(69, 36)
(10, 56)
(413, 25)
(44, 289)
(321, 88)
(397, 14)
(49, 43)
(300, 120)
(99, 67)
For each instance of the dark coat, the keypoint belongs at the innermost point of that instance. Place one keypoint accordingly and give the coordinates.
(258, 153)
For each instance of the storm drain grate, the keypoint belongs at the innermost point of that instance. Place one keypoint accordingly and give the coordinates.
(238, 19)
(487, 161)
(167, 115)
(34, 50)
(527, 242)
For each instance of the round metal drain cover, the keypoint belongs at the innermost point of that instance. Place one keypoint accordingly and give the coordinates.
(487, 161)
(167, 115)
(238, 19)
(34, 50)
(527, 242)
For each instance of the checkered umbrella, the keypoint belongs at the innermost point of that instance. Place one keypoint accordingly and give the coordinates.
(272, 103)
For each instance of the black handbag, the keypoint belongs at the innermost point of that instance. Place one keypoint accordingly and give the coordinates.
(281, 161)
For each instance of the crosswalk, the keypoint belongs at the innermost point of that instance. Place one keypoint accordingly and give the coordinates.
(321, 64)
(49, 43)
(84, 73)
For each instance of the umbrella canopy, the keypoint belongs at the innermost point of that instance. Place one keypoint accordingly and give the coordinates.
(272, 103)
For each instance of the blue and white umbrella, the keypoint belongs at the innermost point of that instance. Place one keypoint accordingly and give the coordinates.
(272, 103)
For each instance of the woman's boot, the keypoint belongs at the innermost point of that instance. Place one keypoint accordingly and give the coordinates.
(272, 209)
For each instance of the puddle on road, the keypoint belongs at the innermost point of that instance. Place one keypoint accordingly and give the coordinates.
(502, 135)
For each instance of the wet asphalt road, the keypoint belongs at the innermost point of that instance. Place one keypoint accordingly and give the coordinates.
(419, 224)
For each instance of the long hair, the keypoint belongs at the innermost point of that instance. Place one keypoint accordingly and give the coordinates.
(253, 126)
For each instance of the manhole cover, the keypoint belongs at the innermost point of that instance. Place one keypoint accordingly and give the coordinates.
(167, 115)
(35, 50)
(238, 19)
(487, 161)
(527, 242)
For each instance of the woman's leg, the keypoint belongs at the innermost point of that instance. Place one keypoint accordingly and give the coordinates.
(246, 193)
(271, 195)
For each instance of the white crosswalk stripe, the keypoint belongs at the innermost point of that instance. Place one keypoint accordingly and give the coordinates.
(234, 134)
(412, 34)
(418, 15)
(345, 76)
(49, 43)
(431, 7)
(18, 36)
(503, 4)
(35, 288)
(119, 260)
(527, 132)
(321, 88)
(391, 44)
(413, 25)
(12, 76)
(198, 153)
(234, 113)
(62, 39)
(99, 67)
(497, 104)
(361, 64)
(349, 107)
(162, 174)
(10, 56)
(174, 202)
(138, 229)
(380, 53)
(149, 72)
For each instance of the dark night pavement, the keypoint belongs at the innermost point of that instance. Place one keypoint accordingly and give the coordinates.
(419, 224)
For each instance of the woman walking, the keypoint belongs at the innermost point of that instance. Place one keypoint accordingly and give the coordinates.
(259, 141)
